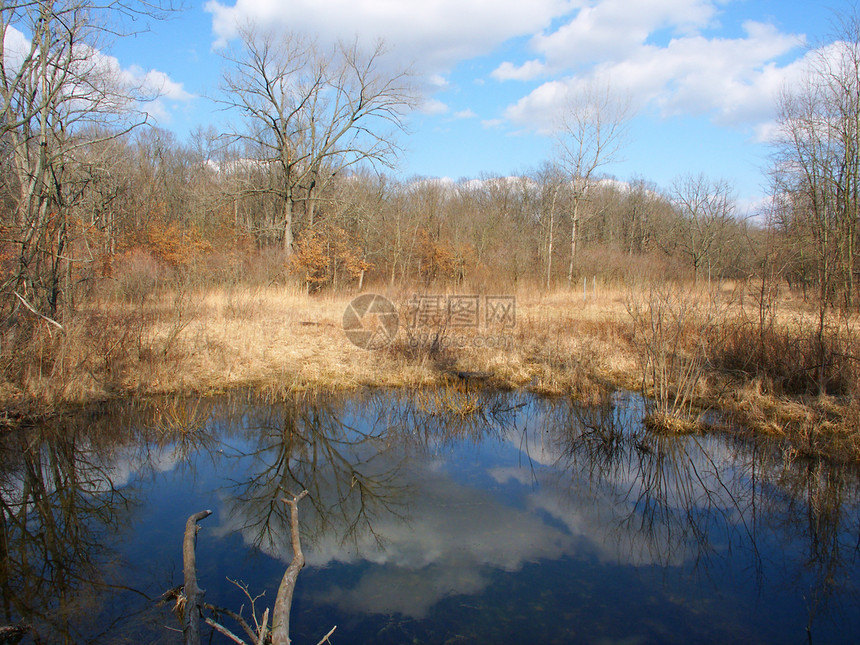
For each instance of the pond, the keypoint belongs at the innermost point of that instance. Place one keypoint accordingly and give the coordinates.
(433, 516)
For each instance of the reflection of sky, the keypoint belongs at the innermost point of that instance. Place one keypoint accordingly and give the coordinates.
(494, 506)
(130, 462)
(97, 472)
(469, 517)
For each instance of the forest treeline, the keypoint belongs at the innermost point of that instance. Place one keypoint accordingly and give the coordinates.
(165, 210)
(299, 189)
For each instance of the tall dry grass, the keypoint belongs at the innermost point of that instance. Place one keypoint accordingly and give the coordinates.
(673, 329)
(689, 350)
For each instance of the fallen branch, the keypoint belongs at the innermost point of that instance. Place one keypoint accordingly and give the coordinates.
(193, 593)
(220, 628)
(284, 600)
(190, 601)
(14, 633)
(325, 639)
(33, 309)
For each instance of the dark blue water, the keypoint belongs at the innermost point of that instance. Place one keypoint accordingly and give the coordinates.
(432, 517)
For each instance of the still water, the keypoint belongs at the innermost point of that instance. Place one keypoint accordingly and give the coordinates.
(432, 517)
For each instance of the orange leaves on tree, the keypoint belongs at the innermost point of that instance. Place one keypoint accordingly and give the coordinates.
(438, 260)
(174, 244)
(326, 255)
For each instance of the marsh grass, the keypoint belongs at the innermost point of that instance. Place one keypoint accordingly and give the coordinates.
(673, 329)
(689, 351)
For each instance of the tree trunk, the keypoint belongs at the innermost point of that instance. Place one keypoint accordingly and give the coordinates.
(193, 593)
(288, 227)
(549, 243)
(574, 229)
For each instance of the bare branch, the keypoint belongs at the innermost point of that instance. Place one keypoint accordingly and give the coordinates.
(284, 601)
(193, 593)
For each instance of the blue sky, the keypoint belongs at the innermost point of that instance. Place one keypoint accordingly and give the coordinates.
(702, 75)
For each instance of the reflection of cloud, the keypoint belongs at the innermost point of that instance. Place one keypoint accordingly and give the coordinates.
(596, 519)
(129, 461)
(411, 592)
(97, 473)
(454, 534)
(454, 524)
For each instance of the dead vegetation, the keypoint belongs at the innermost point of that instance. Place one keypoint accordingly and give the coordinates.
(690, 351)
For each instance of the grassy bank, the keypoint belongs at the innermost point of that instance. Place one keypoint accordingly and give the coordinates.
(691, 350)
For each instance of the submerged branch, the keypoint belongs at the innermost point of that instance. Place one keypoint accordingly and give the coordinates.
(193, 593)
(284, 600)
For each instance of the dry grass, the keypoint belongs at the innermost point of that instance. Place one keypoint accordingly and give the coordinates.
(278, 340)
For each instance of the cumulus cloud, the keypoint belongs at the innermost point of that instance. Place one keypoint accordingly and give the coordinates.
(434, 106)
(662, 54)
(733, 80)
(163, 94)
(465, 114)
(615, 29)
(149, 91)
(492, 123)
(527, 71)
(436, 34)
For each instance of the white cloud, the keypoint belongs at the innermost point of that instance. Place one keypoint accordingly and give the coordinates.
(437, 81)
(434, 106)
(435, 33)
(661, 53)
(492, 123)
(735, 80)
(155, 88)
(615, 29)
(167, 92)
(465, 114)
(525, 72)
(161, 84)
(16, 46)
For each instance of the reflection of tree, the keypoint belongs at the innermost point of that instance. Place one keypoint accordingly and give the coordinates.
(61, 502)
(58, 503)
(816, 512)
(349, 453)
(369, 460)
(310, 444)
(700, 499)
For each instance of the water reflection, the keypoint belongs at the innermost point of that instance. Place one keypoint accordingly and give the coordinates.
(65, 500)
(420, 498)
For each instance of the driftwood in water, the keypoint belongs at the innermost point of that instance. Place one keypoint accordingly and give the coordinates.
(284, 600)
(192, 600)
(193, 593)
(13, 633)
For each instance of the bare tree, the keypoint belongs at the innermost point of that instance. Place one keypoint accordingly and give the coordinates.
(705, 218)
(817, 163)
(589, 135)
(59, 95)
(551, 194)
(311, 112)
